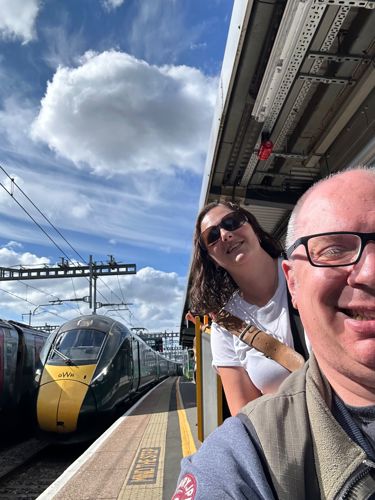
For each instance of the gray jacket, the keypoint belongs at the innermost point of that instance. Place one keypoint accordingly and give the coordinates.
(310, 455)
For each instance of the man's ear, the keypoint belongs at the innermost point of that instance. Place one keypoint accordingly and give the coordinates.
(288, 269)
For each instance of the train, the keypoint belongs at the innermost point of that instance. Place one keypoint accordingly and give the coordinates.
(89, 367)
(20, 347)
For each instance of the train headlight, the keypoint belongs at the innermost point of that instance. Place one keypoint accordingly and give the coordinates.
(38, 373)
(100, 375)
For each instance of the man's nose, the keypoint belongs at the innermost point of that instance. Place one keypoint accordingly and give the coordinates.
(363, 273)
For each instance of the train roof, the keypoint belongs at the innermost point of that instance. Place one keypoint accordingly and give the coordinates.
(11, 323)
(94, 321)
(302, 75)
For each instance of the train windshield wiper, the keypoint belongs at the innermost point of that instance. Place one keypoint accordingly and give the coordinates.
(67, 360)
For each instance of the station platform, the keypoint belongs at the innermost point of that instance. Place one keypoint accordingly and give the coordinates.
(139, 456)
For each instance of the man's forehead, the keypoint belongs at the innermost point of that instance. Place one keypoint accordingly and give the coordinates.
(336, 206)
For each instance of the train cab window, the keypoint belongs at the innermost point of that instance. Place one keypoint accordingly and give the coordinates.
(110, 349)
(78, 346)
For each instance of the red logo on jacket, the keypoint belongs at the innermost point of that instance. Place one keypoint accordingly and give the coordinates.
(186, 488)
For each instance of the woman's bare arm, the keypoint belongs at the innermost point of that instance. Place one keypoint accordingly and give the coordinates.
(238, 387)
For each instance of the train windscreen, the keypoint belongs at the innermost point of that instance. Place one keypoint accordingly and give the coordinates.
(80, 345)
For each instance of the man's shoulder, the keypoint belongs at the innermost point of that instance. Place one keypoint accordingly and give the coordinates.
(292, 390)
(228, 452)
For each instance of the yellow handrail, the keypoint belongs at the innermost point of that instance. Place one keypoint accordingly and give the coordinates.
(198, 375)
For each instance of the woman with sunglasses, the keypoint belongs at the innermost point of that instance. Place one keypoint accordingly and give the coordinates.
(236, 265)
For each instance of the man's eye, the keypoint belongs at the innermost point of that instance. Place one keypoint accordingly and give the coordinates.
(334, 250)
(330, 253)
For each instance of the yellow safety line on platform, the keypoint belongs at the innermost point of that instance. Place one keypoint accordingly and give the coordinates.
(187, 440)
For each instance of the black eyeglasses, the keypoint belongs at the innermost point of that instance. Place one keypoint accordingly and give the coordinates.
(229, 222)
(342, 248)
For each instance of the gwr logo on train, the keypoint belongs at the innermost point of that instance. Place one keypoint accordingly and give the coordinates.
(66, 375)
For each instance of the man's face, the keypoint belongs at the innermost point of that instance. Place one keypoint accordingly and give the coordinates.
(337, 305)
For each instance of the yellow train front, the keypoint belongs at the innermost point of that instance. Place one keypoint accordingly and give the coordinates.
(89, 367)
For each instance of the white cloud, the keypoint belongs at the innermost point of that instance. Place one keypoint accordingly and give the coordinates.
(157, 298)
(116, 113)
(13, 244)
(17, 19)
(82, 208)
(152, 286)
(10, 258)
(112, 4)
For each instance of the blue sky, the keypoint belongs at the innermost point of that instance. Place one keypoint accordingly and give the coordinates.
(106, 107)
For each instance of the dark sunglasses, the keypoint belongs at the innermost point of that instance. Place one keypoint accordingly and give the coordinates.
(229, 222)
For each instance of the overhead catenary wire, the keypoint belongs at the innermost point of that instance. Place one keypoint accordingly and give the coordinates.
(75, 295)
(27, 285)
(35, 222)
(120, 287)
(51, 224)
(44, 217)
(11, 193)
(29, 302)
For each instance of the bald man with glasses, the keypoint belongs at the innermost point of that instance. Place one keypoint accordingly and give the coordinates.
(314, 438)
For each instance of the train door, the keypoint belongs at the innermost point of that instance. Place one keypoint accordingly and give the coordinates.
(26, 363)
(38, 344)
(125, 369)
(136, 371)
(10, 356)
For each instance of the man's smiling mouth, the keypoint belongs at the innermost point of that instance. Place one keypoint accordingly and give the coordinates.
(360, 315)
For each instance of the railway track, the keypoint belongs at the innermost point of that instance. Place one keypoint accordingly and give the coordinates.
(28, 468)
(14, 456)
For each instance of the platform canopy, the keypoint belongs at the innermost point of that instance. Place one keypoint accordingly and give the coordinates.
(299, 74)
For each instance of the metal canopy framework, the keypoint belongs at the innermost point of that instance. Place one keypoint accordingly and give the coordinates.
(301, 72)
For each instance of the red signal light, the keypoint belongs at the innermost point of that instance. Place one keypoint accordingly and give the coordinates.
(265, 150)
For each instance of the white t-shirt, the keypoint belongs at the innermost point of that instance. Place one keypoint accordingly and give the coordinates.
(273, 318)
